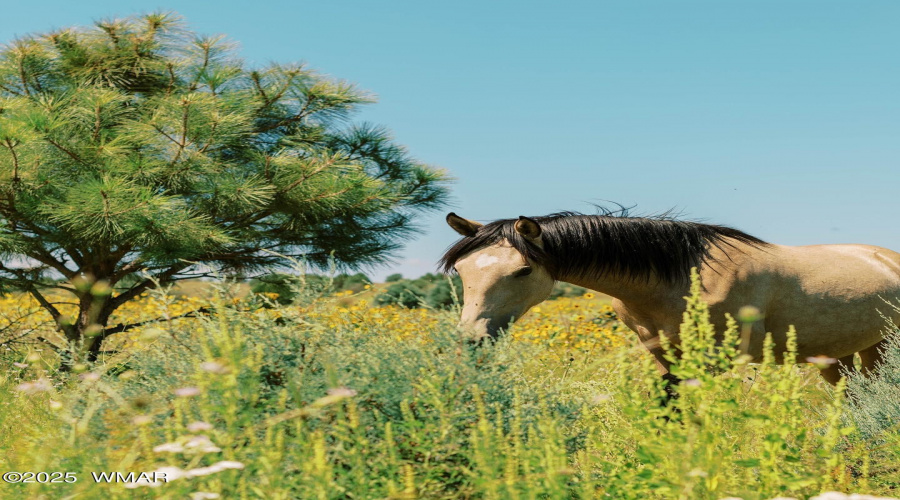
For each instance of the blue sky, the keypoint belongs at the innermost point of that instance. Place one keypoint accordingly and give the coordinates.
(781, 118)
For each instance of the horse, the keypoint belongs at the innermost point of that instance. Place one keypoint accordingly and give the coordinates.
(831, 294)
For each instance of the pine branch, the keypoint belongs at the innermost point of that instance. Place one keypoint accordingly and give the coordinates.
(212, 137)
(13, 326)
(192, 276)
(284, 89)
(329, 162)
(64, 150)
(96, 135)
(127, 269)
(12, 150)
(21, 62)
(325, 196)
(254, 77)
(196, 83)
(15, 338)
(166, 135)
(47, 259)
(76, 256)
(145, 285)
(130, 326)
(184, 132)
(170, 68)
(50, 308)
(304, 111)
(11, 91)
(40, 238)
(56, 349)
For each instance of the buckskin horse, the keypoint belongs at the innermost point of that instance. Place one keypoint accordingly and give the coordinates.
(832, 294)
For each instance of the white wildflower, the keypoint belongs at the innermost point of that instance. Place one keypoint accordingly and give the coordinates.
(201, 443)
(600, 398)
(170, 473)
(342, 392)
(186, 392)
(214, 367)
(141, 420)
(35, 386)
(199, 427)
(203, 495)
(169, 447)
(214, 468)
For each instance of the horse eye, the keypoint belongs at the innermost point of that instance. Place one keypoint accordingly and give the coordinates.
(525, 271)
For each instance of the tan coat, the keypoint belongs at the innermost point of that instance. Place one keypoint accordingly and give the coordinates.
(831, 294)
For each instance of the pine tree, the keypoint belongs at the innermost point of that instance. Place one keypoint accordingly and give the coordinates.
(138, 146)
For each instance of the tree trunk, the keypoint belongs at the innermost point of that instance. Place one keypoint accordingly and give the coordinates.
(86, 334)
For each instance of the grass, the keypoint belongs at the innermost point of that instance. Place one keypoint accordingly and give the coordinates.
(321, 400)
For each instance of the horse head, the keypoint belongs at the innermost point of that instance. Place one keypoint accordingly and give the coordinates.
(500, 282)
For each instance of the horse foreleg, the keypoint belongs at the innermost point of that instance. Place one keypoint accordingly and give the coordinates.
(662, 364)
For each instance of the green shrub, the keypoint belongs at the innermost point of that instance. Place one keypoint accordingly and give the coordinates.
(285, 285)
(403, 293)
(354, 282)
(445, 294)
(874, 407)
(874, 397)
(753, 432)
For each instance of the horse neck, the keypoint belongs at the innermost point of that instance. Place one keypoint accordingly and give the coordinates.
(655, 292)
(630, 290)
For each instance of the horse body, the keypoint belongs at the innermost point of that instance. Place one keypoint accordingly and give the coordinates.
(831, 294)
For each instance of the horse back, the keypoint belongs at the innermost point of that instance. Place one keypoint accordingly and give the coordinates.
(831, 294)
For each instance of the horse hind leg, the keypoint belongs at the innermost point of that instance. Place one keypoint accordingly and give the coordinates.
(834, 372)
(872, 356)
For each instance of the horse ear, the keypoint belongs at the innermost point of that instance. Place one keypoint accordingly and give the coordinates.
(529, 229)
(462, 226)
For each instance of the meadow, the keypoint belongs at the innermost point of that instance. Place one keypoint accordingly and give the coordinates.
(333, 396)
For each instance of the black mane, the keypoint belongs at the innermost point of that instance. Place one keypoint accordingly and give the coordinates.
(577, 245)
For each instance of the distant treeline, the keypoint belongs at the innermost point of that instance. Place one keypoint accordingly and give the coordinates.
(437, 291)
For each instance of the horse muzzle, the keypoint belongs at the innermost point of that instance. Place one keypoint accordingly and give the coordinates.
(481, 329)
